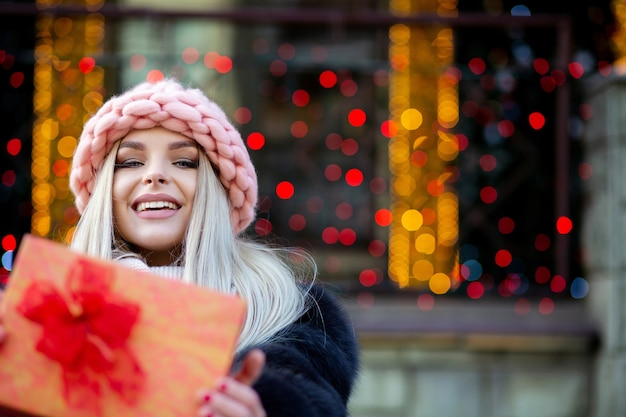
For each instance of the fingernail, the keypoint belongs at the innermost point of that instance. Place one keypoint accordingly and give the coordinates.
(222, 387)
(206, 398)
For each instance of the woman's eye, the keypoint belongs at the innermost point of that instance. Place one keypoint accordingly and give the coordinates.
(186, 163)
(128, 164)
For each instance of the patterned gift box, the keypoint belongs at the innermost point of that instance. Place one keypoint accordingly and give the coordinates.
(88, 337)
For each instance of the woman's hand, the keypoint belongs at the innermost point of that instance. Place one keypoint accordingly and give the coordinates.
(234, 395)
(3, 333)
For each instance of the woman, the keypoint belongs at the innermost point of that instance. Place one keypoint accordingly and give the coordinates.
(164, 183)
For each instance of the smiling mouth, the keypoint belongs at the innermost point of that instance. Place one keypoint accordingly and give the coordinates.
(156, 205)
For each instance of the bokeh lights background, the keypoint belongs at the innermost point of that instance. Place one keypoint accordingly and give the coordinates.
(427, 158)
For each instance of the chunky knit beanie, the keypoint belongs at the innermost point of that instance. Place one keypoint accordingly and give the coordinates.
(168, 104)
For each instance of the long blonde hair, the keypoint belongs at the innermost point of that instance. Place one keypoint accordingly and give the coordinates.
(273, 284)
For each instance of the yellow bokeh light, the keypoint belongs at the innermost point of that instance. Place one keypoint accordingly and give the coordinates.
(412, 220)
(92, 101)
(42, 194)
(411, 119)
(404, 185)
(63, 26)
(66, 146)
(40, 168)
(439, 283)
(41, 223)
(421, 80)
(423, 270)
(425, 243)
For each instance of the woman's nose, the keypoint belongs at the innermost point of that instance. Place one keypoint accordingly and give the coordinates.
(155, 175)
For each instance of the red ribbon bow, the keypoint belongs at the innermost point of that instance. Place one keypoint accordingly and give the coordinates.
(86, 334)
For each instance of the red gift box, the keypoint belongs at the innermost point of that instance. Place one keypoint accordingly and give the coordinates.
(88, 337)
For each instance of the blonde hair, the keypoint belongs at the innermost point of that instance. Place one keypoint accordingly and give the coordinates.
(274, 286)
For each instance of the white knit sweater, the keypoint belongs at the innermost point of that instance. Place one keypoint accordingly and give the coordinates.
(168, 271)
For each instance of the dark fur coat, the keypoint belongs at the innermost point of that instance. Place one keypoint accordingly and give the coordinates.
(310, 371)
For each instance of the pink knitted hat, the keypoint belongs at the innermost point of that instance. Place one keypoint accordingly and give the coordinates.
(187, 111)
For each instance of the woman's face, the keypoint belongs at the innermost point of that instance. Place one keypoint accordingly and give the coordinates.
(154, 185)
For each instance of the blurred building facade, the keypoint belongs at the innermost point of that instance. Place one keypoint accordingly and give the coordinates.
(454, 167)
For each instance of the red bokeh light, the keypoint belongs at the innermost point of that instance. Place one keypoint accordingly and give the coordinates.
(503, 258)
(506, 128)
(344, 211)
(576, 69)
(332, 172)
(389, 128)
(210, 58)
(605, 68)
(300, 98)
(330, 235)
(488, 194)
(190, 55)
(255, 141)
(475, 290)
(348, 88)
(541, 65)
(297, 222)
(558, 76)
(223, 64)
(367, 278)
(383, 217)
(506, 225)
(299, 129)
(242, 115)
(8, 178)
(429, 215)
(564, 225)
(546, 306)
(354, 177)
(286, 51)
(536, 120)
(542, 242)
(463, 141)
(278, 68)
(60, 167)
(488, 162)
(357, 117)
(477, 65)
(347, 237)
(548, 84)
(86, 64)
(285, 190)
(542, 275)
(349, 147)
(9, 243)
(425, 302)
(419, 158)
(14, 146)
(558, 284)
(154, 76)
(138, 62)
(435, 187)
(377, 248)
(16, 79)
(263, 227)
(334, 141)
(328, 79)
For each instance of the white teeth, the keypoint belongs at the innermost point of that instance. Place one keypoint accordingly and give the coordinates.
(156, 205)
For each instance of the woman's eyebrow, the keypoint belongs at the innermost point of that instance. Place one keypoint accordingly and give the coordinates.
(133, 145)
(182, 144)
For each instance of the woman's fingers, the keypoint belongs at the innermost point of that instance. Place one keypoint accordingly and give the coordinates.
(234, 395)
(232, 399)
